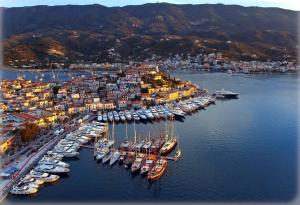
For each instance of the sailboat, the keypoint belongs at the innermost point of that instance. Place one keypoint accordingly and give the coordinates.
(150, 161)
(138, 162)
(104, 145)
(147, 144)
(158, 143)
(114, 158)
(126, 143)
(170, 144)
(115, 154)
(134, 144)
(158, 169)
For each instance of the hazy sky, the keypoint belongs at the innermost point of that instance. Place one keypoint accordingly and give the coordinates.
(288, 4)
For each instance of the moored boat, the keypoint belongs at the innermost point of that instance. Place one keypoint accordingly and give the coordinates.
(122, 157)
(149, 163)
(23, 189)
(137, 164)
(158, 169)
(114, 158)
(130, 157)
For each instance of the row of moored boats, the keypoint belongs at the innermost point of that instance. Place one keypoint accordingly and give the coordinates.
(147, 157)
(169, 110)
(50, 166)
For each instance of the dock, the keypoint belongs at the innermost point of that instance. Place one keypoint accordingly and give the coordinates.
(172, 158)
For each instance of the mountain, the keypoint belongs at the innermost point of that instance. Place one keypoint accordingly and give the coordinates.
(98, 33)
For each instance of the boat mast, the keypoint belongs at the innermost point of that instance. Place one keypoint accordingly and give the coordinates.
(149, 142)
(139, 143)
(113, 131)
(166, 130)
(173, 128)
(134, 132)
(126, 130)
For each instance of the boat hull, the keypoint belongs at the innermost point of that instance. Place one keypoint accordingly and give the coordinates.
(158, 175)
(165, 152)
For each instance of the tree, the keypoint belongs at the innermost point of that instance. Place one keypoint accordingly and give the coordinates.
(55, 89)
(29, 132)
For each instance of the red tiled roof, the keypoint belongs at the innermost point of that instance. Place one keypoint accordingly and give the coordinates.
(26, 116)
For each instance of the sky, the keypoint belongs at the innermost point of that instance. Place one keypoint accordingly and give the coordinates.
(287, 4)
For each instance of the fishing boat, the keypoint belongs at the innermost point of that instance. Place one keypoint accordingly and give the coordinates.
(158, 169)
(149, 163)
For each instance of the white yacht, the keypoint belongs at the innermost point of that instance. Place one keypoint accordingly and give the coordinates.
(110, 116)
(46, 177)
(226, 94)
(31, 180)
(99, 118)
(107, 157)
(114, 157)
(53, 155)
(23, 189)
(54, 162)
(104, 117)
(101, 153)
(149, 115)
(128, 115)
(51, 169)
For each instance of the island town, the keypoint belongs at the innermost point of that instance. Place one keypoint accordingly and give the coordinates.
(43, 122)
(210, 62)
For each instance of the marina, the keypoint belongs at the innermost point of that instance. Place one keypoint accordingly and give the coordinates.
(205, 147)
(144, 156)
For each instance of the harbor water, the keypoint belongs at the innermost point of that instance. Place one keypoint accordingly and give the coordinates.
(237, 150)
